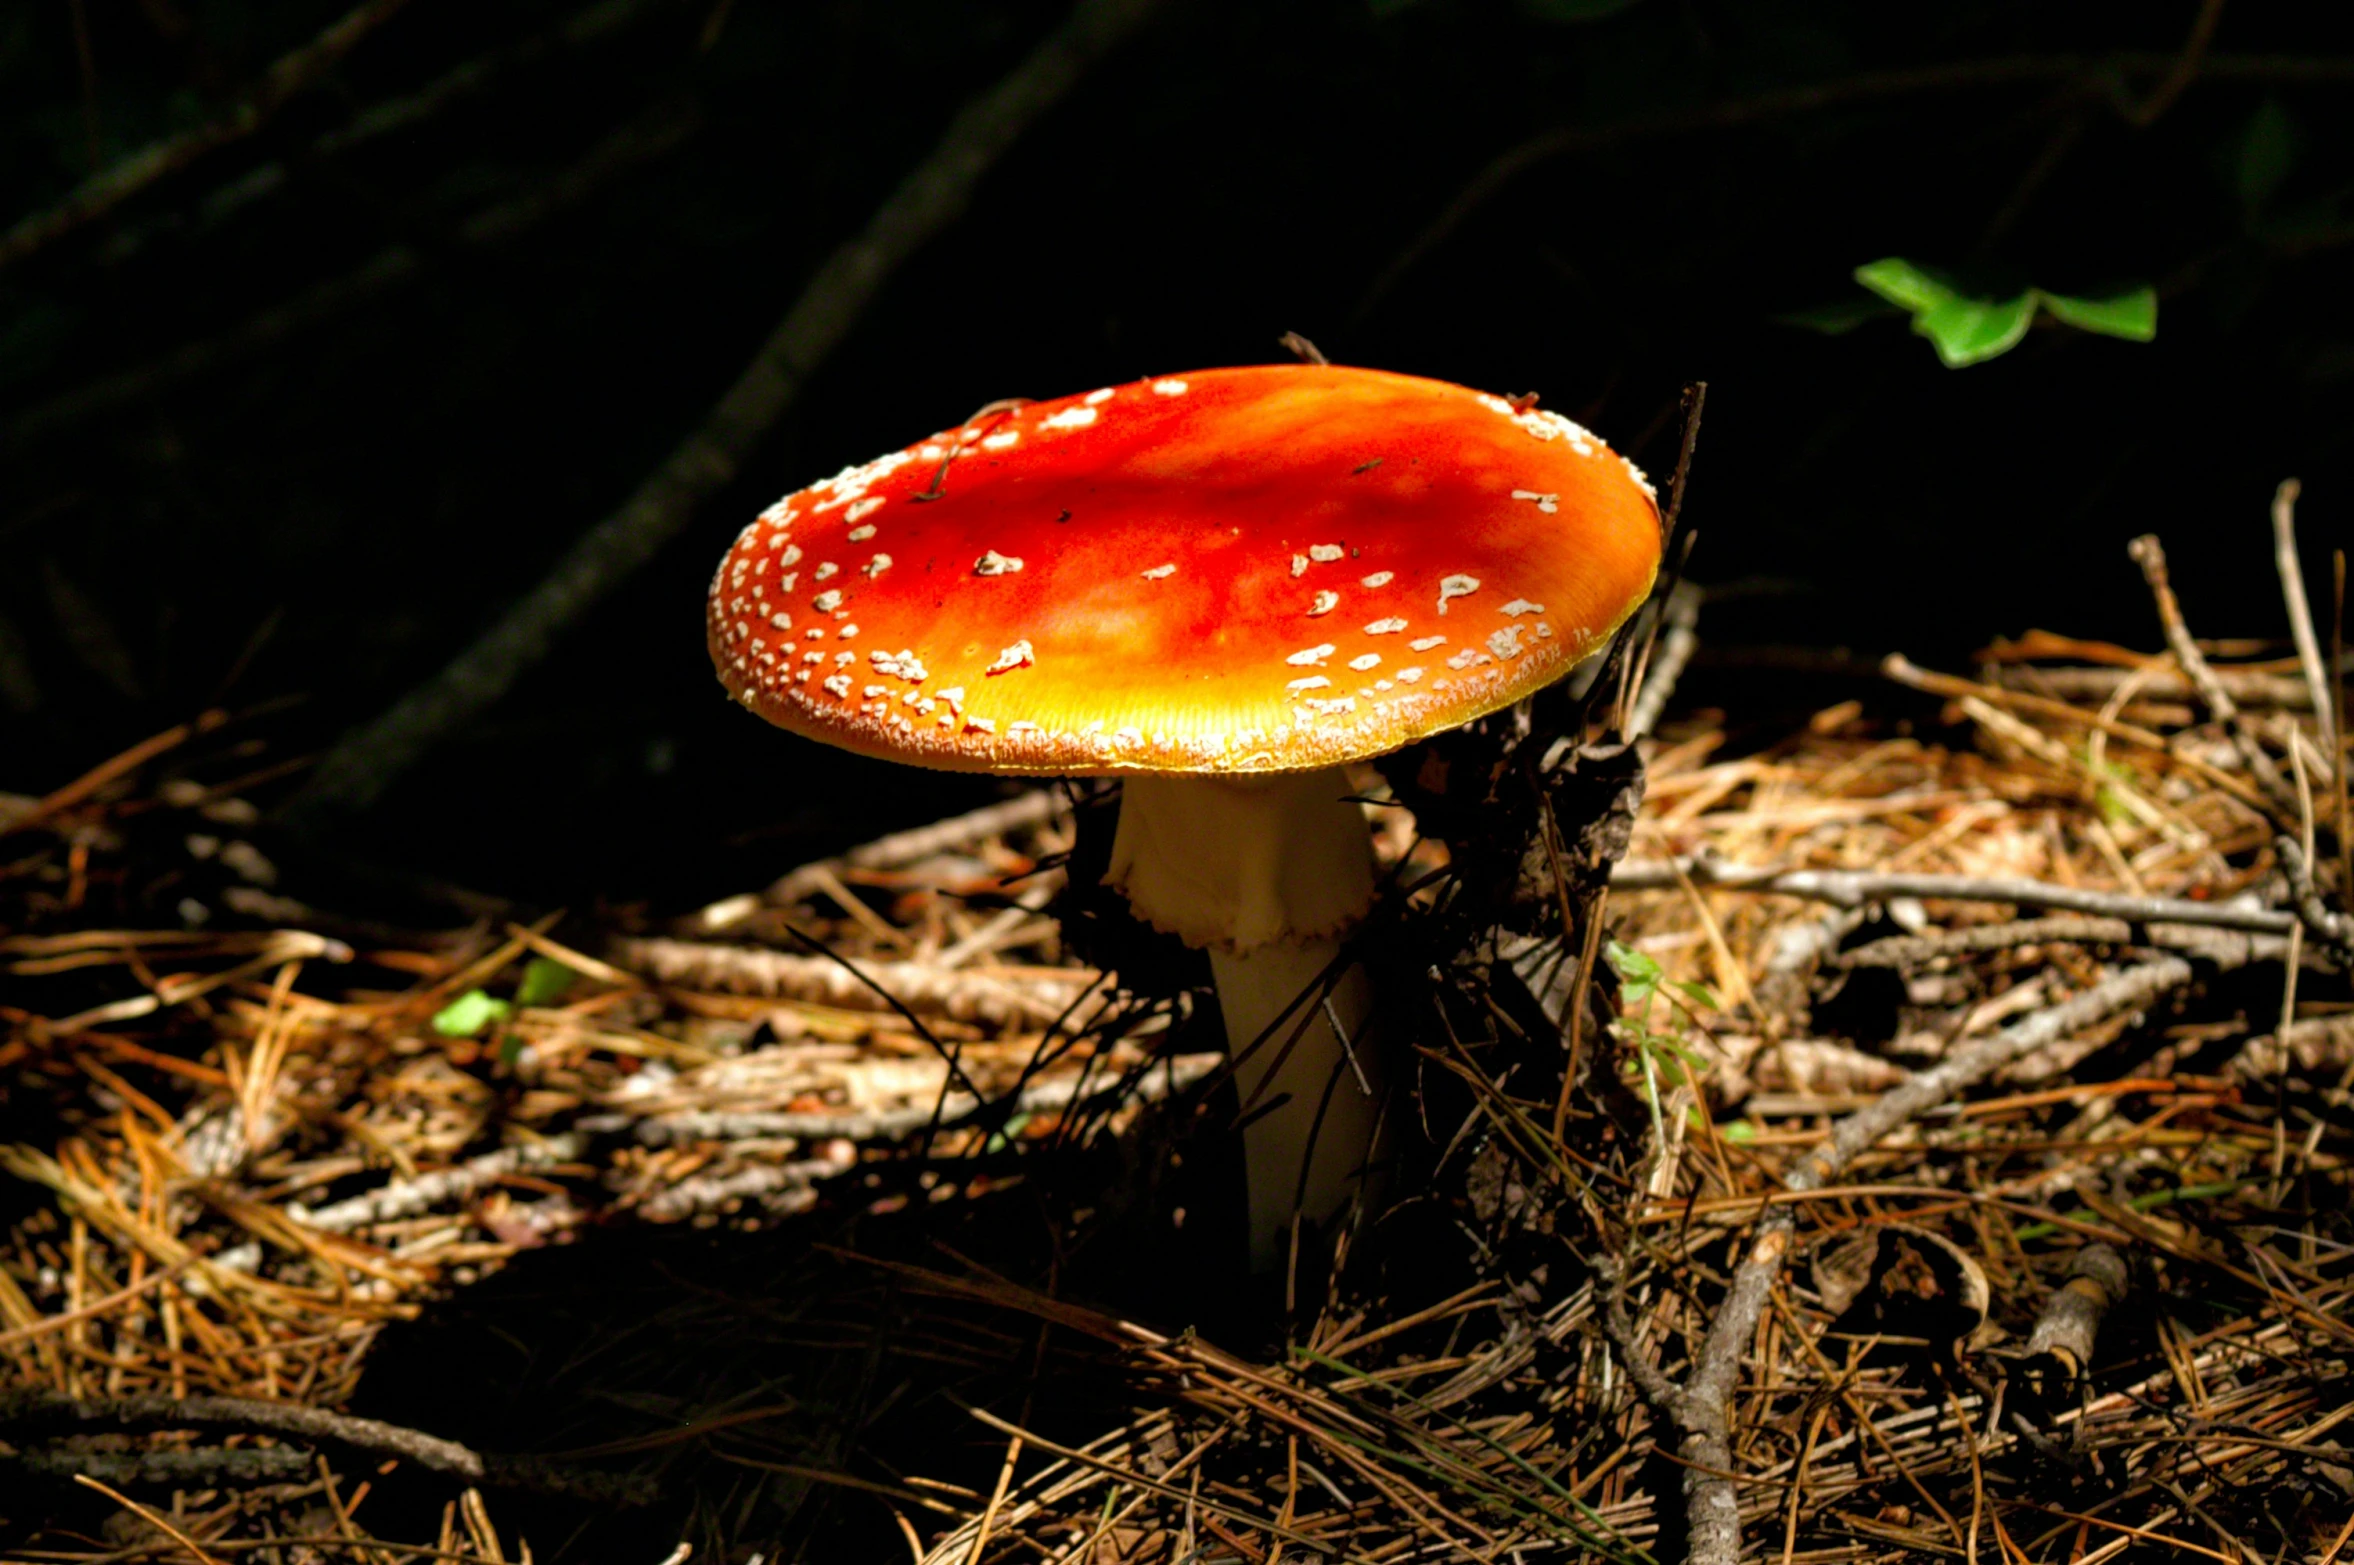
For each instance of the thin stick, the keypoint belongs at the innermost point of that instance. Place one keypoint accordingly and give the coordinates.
(2288, 992)
(2329, 1556)
(364, 763)
(1678, 640)
(1673, 556)
(2338, 760)
(2150, 555)
(2292, 591)
(99, 776)
(1589, 948)
(152, 1518)
(1005, 1478)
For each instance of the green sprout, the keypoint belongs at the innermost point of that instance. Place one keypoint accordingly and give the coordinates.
(1659, 1052)
(469, 1013)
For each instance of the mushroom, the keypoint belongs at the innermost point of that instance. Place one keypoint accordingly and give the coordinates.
(1222, 587)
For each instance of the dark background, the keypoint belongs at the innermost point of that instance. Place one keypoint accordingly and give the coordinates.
(300, 419)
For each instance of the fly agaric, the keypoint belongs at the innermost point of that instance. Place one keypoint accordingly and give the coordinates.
(1221, 587)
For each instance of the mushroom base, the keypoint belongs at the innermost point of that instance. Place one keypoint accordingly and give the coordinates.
(1310, 1115)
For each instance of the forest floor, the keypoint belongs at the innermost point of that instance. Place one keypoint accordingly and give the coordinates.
(1922, 1132)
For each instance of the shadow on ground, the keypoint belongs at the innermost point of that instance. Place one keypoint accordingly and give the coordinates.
(789, 1387)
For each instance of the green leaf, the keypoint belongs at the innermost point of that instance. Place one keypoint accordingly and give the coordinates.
(1905, 285)
(1638, 975)
(1699, 994)
(1631, 964)
(1971, 331)
(468, 1014)
(511, 1048)
(1739, 1131)
(1670, 1047)
(1966, 329)
(2132, 315)
(2267, 148)
(544, 981)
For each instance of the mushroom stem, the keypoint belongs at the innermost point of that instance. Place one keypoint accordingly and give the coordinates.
(1266, 872)
(1310, 1113)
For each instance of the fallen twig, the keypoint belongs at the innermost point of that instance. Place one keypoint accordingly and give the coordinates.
(1166, 1077)
(201, 1468)
(1855, 888)
(1909, 950)
(412, 1197)
(2292, 591)
(48, 1410)
(780, 1188)
(2150, 555)
(959, 994)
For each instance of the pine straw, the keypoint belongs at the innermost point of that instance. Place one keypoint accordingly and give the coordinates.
(253, 1151)
(249, 1149)
(1498, 1421)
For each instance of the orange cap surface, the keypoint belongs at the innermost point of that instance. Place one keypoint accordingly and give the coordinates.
(1233, 570)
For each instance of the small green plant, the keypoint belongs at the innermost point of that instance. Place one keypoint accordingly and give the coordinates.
(1967, 328)
(469, 1013)
(1657, 1052)
(999, 1140)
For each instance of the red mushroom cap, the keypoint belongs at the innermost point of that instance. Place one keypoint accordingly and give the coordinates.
(1234, 570)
